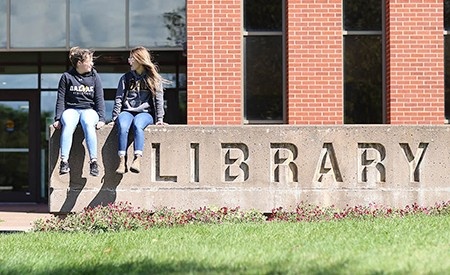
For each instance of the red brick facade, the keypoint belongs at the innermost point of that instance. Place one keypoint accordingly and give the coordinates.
(415, 62)
(214, 62)
(314, 62)
(314, 65)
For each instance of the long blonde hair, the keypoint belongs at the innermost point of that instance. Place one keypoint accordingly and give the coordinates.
(153, 79)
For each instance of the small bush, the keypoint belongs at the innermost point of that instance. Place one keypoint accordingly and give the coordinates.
(122, 216)
(310, 213)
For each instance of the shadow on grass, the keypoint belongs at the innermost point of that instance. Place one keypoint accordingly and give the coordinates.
(186, 267)
(139, 267)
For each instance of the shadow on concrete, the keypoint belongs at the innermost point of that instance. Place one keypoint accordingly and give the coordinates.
(76, 181)
(108, 162)
(111, 179)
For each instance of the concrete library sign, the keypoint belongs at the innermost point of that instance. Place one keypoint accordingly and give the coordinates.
(260, 167)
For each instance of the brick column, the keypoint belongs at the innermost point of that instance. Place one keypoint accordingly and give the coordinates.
(214, 70)
(314, 62)
(415, 62)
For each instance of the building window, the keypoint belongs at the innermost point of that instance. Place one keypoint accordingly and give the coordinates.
(167, 27)
(91, 22)
(107, 24)
(38, 24)
(19, 77)
(447, 57)
(363, 62)
(3, 23)
(263, 61)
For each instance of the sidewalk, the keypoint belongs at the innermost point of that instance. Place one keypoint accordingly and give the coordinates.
(20, 216)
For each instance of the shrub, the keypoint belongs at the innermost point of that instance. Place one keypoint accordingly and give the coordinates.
(310, 213)
(122, 216)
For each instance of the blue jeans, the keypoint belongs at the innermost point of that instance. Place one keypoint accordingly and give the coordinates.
(139, 122)
(69, 120)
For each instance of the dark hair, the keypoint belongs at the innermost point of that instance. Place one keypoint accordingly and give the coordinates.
(78, 54)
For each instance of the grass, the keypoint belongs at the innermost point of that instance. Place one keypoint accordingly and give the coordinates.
(416, 244)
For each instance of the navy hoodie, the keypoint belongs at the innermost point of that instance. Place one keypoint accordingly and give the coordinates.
(133, 95)
(80, 91)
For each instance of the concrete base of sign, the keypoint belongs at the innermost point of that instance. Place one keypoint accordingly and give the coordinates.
(259, 167)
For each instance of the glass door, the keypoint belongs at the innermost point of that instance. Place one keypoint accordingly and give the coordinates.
(19, 143)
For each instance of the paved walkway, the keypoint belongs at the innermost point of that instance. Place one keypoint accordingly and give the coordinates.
(20, 216)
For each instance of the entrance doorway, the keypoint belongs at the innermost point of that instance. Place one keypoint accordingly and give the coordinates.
(19, 146)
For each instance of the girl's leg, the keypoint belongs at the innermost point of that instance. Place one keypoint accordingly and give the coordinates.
(140, 122)
(123, 122)
(89, 118)
(69, 121)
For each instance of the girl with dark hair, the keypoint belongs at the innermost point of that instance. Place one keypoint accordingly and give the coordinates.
(80, 100)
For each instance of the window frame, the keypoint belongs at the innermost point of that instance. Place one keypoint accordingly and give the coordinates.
(382, 33)
(281, 34)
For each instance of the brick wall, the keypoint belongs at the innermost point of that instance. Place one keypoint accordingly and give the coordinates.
(314, 62)
(214, 62)
(415, 62)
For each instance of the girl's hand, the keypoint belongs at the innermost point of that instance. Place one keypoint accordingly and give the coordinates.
(57, 124)
(100, 124)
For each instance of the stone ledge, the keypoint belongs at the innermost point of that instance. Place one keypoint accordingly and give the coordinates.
(260, 167)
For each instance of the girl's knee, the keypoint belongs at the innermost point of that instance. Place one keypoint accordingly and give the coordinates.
(138, 128)
(89, 125)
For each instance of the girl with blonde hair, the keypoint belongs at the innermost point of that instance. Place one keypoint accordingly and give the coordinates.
(139, 102)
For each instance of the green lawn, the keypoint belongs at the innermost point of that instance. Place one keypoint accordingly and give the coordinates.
(416, 244)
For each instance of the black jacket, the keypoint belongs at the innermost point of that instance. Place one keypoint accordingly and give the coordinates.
(80, 92)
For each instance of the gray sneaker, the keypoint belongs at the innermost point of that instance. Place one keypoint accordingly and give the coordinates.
(93, 168)
(64, 167)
